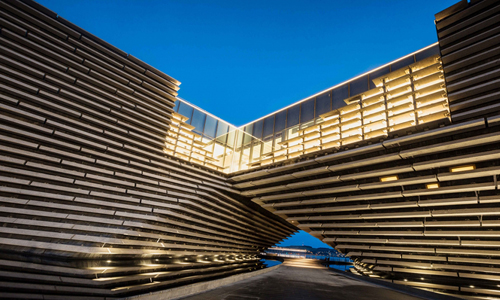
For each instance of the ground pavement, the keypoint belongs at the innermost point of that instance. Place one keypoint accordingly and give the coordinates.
(301, 279)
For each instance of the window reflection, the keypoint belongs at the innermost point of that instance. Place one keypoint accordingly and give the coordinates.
(402, 63)
(185, 110)
(323, 104)
(307, 110)
(231, 136)
(293, 116)
(257, 129)
(358, 86)
(338, 96)
(210, 126)
(268, 126)
(256, 151)
(248, 134)
(377, 74)
(280, 121)
(222, 129)
(427, 53)
(198, 121)
(268, 145)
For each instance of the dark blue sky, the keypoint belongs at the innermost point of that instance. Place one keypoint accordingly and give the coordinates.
(303, 238)
(241, 60)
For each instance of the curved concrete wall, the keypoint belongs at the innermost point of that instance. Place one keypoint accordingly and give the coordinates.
(90, 204)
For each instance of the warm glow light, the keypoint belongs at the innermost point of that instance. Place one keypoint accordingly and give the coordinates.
(340, 84)
(389, 178)
(463, 168)
(432, 185)
(367, 116)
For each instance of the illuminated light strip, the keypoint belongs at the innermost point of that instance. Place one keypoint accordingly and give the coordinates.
(342, 83)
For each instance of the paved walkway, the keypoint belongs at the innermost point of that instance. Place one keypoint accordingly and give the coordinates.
(301, 279)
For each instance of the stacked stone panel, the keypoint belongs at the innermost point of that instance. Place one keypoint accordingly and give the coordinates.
(90, 203)
(421, 207)
(469, 39)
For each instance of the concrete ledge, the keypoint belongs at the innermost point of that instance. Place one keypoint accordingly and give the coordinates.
(200, 287)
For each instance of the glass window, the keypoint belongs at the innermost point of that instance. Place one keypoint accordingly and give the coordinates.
(377, 74)
(338, 96)
(176, 105)
(268, 125)
(235, 162)
(402, 63)
(185, 110)
(239, 138)
(358, 86)
(268, 144)
(210, 126)
(307, 110)
(245, 158)
(248, 134)
(222, 129)
(257, 129)
(230, 136)
(219, 153)
(292, 132)
(198, 121)
(426, 53)
(306, 124)
(256, 151)
(228, 158)
(323, 104)
(293, 116)
(280, 121)
(278, 138)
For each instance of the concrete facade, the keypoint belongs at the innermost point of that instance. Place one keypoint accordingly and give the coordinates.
(418, 207)
(94, 206)
(91, 205)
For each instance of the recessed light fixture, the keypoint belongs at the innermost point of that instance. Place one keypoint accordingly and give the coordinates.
(406, 279)
(471, 286)
(421, 278)
(463, 168)
(389, 178)
(432, 185)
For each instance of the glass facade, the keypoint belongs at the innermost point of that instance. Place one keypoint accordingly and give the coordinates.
(261, 142)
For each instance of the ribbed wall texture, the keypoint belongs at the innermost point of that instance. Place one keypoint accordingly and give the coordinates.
(84, 175)
(469, 38)
(91, 206)
(400, 207)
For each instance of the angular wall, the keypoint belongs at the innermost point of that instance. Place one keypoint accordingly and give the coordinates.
(469, 38)
(90, 204)
(419, 207)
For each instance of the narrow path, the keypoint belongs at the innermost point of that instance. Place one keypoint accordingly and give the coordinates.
(301, 279)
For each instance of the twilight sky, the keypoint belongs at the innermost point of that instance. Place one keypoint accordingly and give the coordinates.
(241, 60)
(303, 238)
